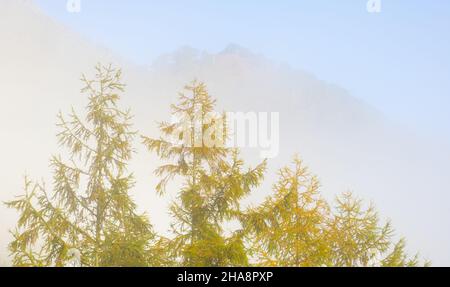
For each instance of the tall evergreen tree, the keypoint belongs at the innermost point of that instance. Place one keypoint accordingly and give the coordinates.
(357, 237)
(297, 227)
(214, 181)
(88, 217)
(89, 209)
(288, 228)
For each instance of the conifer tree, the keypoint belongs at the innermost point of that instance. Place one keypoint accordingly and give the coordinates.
(89, 209)
(399, 258)
(288, 228)
(297, 227)
(357, 238)
(214, 180)
(88, 217)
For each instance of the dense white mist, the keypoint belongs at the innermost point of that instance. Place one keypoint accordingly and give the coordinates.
(343, 140)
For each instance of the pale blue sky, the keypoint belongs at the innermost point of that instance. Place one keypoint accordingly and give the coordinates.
(397, 60)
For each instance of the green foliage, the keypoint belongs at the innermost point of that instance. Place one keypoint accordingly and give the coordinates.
(296, 227)
(214, 182)
(89, 212)
(89, 208)
(288, 228)
(357, 238)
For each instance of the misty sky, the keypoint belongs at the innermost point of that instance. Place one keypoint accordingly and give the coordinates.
(396, 60)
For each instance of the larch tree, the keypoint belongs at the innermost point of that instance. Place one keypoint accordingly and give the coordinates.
(89, 212)
(357, 237)
(213, 181)
(88, 217)
(288, 229)
(297, 227)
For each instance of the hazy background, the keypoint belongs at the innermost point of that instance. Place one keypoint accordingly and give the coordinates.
(363, 97)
